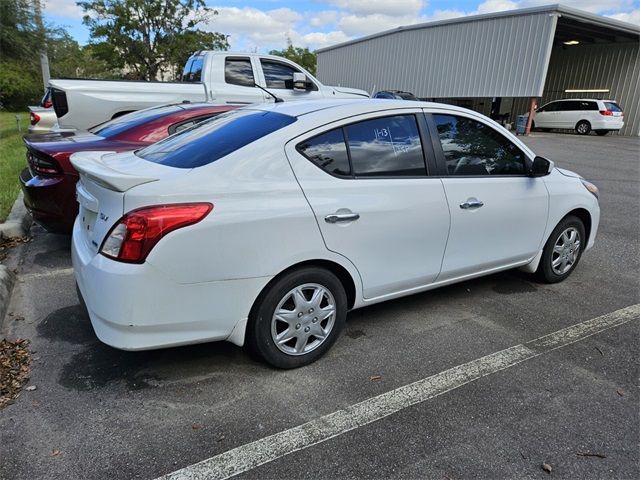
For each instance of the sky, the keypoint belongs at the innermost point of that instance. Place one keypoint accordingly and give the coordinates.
(263, 25)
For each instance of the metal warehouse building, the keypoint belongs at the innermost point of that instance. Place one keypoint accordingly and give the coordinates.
(497, 63)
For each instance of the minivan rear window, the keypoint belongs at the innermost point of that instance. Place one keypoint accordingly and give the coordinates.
(211, 140)
(612, 107)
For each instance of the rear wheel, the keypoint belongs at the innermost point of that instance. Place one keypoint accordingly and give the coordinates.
(297, 318)
(583, 127)
(602, 133)
(562, 251)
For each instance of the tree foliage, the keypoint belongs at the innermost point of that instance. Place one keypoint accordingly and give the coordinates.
(149, 38)
(301, 56)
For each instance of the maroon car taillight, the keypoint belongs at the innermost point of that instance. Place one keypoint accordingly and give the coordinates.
(134, 235)
(35, 118)
(41, 165)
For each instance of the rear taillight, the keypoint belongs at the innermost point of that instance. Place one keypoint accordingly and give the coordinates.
(135, 234)
(41, 165)
(606, 113)
(35, 118)
(47, 103)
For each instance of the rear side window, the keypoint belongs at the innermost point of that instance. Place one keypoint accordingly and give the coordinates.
(613, 107)
(388, 146)
(131, 120)
(238, 71)
(588, 106)
(328, 151)
(209, 141)
(473, 148)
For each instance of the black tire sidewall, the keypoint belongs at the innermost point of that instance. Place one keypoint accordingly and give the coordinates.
(259, 327)
(545, 270)
(588, 127)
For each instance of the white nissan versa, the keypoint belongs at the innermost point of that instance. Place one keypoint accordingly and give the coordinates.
(266, 225)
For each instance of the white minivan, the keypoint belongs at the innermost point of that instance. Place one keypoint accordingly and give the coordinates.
(582, 115)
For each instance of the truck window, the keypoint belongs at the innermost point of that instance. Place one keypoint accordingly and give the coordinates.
(193, 70)
(277, 75)
(238, 71)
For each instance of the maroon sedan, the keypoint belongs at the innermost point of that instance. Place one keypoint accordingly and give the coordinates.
(49, 182)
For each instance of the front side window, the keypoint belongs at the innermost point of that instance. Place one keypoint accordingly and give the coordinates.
(328, 151)
(238, 71)
(214, 139)
(277, 75)
(473, 148)
(387, 146)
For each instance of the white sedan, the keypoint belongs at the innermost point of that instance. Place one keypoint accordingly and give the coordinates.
(266, 225)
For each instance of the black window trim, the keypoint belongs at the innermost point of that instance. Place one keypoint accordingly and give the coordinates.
(428, 155)
(439, 152)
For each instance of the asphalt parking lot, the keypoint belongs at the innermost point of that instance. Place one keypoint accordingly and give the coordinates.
(574, 405)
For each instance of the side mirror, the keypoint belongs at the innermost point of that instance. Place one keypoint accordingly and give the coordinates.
(540, 167)
(299, 82)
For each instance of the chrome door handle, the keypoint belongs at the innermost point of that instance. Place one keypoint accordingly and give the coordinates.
(472, 204)
(341, 217)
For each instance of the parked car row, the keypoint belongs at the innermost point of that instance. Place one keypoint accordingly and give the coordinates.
(263, 224)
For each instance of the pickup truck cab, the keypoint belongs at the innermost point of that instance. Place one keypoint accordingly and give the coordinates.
(219, 77)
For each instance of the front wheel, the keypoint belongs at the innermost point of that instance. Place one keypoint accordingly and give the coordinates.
(297, 318)
(562, 251)
(583, 127)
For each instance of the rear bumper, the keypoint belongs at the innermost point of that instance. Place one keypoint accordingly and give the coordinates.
(50, 200)
(608, 123)
(137, 307)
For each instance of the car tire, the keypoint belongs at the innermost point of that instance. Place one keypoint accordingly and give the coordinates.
(583, 127)
(602, 133)
(293, 296)
(562, 251)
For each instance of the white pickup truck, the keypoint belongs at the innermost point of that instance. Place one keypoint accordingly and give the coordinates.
(219, 77)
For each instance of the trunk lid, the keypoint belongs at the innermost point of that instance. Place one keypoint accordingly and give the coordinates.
(105, 178)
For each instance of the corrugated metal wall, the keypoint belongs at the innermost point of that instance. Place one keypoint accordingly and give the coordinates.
(506, 57)
(615, 66)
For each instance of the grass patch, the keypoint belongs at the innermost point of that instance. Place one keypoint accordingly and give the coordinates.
(12, 159)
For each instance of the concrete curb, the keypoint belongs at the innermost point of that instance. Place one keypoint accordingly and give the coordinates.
(18, 222)
(7, 281)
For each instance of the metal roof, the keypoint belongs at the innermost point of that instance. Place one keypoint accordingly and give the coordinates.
(561, 10)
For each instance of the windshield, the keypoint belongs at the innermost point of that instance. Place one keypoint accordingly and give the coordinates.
(134, 119)
(211, 140)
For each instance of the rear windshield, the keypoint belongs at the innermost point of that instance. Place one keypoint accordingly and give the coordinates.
(134, 119)
(612, 106)
(209, 141)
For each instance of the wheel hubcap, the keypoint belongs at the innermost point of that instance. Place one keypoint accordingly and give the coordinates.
(303, 319)
(565, 251)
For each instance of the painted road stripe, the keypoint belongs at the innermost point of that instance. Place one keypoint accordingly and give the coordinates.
(247, 457)
(49, 273)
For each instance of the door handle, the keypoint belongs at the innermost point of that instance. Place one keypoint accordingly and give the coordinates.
(341, 217)
(471, 204)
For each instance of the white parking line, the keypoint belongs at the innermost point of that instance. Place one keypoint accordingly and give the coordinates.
(268, 449)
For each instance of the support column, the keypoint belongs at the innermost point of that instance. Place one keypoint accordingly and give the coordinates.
(532, 109)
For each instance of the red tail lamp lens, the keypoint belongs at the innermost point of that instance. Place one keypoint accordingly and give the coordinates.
(35, 118)
(135, 235)
(606, 113)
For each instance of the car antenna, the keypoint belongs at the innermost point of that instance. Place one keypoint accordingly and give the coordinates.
(276, 99)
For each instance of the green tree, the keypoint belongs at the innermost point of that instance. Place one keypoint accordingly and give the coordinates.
(20, 37)
(302, 56)
(148, 38)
